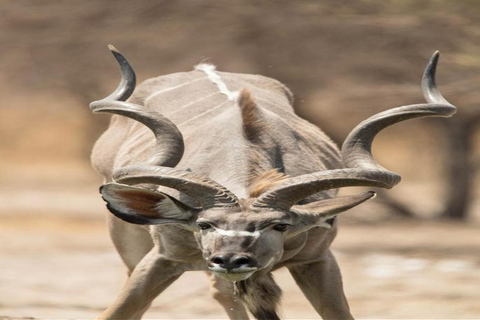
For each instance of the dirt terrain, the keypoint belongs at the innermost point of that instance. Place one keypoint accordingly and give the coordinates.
(57, 262)
(344, 61)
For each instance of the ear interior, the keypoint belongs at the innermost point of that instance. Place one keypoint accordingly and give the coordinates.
(320, 211)
(143, 206)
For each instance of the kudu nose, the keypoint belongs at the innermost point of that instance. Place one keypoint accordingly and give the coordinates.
(230, 261)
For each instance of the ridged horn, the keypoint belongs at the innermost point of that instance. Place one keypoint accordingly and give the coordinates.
(361, 168)
(429, 86)
(207, 193)
(128, 81)
(168, 151)
(169, 140)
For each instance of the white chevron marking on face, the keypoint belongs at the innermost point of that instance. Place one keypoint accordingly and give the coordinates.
(233, 233)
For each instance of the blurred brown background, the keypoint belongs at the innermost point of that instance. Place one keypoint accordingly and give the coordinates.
(411, 253)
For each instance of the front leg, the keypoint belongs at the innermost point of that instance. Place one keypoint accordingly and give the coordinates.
(151, 276)
(321, 282)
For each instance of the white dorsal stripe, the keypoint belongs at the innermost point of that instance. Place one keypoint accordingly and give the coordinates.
(233, 233)
(209, 70)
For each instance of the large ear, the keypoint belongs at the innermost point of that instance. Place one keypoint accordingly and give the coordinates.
(143, 206)
(321, 213)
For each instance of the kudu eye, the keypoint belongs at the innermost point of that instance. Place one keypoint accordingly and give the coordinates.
(281, 227)
(203, 225)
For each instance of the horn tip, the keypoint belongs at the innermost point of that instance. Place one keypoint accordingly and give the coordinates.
(429, 73)
(112, 48)
(435, 56)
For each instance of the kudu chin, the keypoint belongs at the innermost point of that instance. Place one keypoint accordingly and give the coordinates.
(233, 183)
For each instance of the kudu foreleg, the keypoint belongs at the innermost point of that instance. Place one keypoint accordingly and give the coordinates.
(321, 282)
(149, 278)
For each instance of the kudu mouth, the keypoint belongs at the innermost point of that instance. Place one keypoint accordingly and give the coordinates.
(237, 274)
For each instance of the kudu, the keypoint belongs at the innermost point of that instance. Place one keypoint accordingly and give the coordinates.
(232, 182)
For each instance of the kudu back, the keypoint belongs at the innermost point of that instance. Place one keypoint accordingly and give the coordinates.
(213, 171)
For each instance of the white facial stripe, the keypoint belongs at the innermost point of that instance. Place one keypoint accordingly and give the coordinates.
(233, 233)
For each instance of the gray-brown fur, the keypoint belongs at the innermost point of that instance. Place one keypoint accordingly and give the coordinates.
(261, 295)
(254, 191)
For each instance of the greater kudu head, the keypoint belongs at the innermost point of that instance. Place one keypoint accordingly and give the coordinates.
(241, 236)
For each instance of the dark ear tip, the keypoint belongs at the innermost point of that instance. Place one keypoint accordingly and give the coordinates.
(130, 218)
(103, 190)
(106, 186)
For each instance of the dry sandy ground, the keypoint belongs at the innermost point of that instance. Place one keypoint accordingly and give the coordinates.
(63, 266)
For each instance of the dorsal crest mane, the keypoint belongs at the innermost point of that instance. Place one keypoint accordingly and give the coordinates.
(253, 124)
(265, 181)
